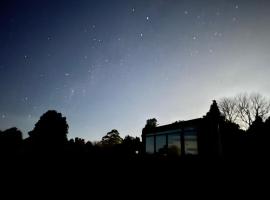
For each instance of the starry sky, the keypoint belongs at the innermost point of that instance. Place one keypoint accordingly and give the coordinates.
(113, 64)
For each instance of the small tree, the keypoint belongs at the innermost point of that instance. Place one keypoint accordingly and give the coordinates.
(151, 123)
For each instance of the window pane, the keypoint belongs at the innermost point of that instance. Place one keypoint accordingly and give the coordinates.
(174, 144)
(191, 144)
(161, 143)
(149, 144)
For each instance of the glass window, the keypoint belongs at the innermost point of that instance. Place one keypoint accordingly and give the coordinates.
(191, 144)
(174, 144)
(161, 144)
(149, 144)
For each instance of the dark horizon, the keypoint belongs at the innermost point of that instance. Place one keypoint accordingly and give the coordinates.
(114, 64)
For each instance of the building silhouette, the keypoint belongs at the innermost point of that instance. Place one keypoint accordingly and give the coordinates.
(179, 138)
(191, 137)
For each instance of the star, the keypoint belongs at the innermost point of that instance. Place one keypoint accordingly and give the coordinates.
(194, 38)
(3, 116)
(71, 94)
(185, 12)
(141, 34)
(236, 6)
(67, 74)
(133, 10)
(147, 18)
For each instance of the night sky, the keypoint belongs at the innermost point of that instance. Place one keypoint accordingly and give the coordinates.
(113, 64)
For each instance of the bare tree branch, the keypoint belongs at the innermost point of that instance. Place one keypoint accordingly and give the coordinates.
(228, 107)
(244, 108)
(260, 106)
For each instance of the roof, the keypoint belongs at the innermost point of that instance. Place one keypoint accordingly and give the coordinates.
(175, 125)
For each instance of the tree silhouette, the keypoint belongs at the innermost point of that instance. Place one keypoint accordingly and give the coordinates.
(214, 112)
(111, 138)
(210, 138)
(51, 129)
(244, 108)
(267, 125)
(151, 123)
(256, 138)
(266, 138)
(257, 126)
(10, 140)
(228, 107)
(131, 145)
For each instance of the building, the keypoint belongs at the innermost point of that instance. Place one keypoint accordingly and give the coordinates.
(179, 138)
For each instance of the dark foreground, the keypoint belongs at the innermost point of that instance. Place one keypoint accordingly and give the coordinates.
(141, 178)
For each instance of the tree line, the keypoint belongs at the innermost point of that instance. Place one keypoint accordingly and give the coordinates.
(49, 136)
(234, 127)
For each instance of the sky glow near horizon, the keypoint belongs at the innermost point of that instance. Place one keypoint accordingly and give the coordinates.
(113, 64)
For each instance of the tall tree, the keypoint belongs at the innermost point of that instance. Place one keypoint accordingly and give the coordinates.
(214, 112)
(211, 137)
